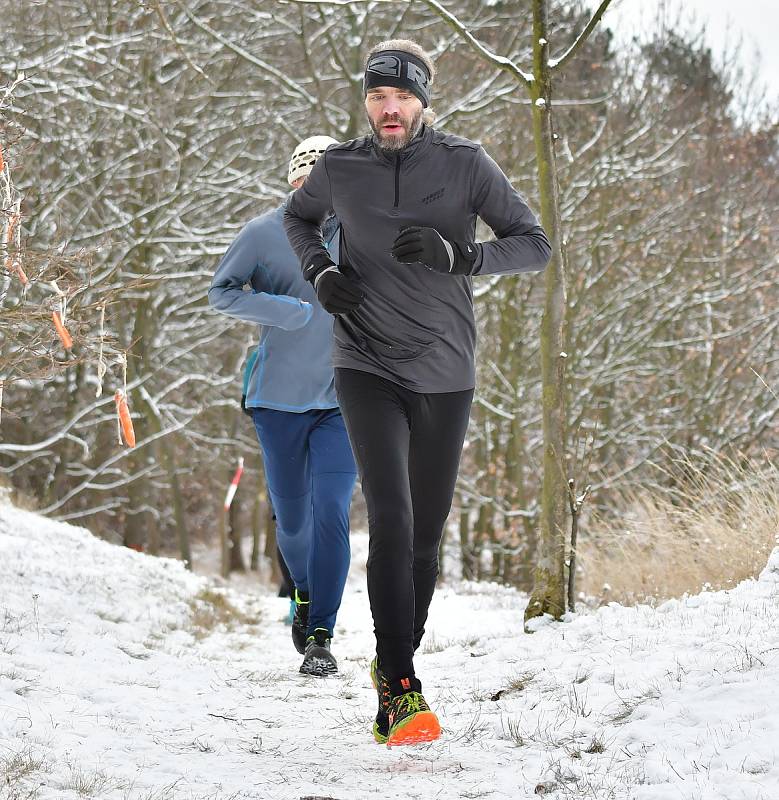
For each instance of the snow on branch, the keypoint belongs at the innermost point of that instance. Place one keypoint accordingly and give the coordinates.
(339, 2)
(571, 51)
(183, 50)
(257, 62)
(501, 62)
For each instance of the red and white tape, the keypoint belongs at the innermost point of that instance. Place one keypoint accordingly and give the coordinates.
(233, 487)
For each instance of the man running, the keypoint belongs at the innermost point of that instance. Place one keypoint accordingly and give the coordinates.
(407, 198)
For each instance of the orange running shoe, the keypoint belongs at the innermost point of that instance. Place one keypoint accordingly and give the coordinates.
(410, 719)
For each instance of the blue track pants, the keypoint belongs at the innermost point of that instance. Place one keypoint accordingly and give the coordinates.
(310, 473)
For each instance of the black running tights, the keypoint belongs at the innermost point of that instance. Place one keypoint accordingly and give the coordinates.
(407, 446)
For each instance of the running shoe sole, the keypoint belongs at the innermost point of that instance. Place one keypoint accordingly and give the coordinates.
(417, 729)
(319, 662)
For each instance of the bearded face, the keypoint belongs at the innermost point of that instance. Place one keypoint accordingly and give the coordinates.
(395, 116)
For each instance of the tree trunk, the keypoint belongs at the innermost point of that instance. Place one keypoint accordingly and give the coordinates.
(548, 596)
(270, 545)
(257, 517)
(236, 552)
(466, 550)
(522, 530)
(182, 531)
(137, 524)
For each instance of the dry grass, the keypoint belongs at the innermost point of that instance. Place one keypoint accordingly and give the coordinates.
(87, 783)
(715, 528)
(511, 730)
(432, 644)
(20, 773)
(212, 609)
(515, 684)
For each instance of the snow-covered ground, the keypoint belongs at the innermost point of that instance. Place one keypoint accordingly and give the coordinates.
(112, 687)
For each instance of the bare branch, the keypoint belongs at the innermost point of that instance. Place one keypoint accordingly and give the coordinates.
(314, 102)
(555, 63)
(501, 62)
(182, 50)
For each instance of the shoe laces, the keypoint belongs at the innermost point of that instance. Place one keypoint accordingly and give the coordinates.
(411, 702)
(381, 682)
(321, 637)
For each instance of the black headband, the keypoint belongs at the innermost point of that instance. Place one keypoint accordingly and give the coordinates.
(399, 69)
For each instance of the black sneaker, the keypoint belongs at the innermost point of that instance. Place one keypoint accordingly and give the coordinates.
(319, 660)
(410, 719)
(382, 687)
(300, 621)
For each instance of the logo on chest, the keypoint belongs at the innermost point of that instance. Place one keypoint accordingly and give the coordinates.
(433, 196)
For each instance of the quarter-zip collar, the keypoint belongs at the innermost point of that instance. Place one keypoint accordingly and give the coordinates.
(411, 151)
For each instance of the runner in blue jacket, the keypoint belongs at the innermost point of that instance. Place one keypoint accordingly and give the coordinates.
(309, 467)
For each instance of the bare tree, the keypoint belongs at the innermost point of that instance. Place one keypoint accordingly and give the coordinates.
(549, 591)
(153, 132)
(47, 313)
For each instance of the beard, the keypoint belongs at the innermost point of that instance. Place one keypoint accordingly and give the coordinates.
(392, 143)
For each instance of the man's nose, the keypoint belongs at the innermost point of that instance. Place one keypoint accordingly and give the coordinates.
(391, 107)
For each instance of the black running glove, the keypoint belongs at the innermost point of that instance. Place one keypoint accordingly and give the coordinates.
(427, 246)
(337, 293)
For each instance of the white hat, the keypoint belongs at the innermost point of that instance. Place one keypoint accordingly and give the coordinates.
(305, 155)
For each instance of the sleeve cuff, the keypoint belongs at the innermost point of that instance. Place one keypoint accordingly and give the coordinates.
(321, 272)
(469, 257)
(318, 264)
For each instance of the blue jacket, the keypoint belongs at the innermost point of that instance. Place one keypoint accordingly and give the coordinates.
(294, 366)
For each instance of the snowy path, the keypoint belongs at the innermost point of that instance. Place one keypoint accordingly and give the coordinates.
(106, 691)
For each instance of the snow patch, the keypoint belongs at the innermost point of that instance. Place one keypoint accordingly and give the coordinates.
(107, 682)
(771, 572)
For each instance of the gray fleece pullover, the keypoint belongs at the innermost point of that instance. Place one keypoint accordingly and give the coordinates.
(416, 327)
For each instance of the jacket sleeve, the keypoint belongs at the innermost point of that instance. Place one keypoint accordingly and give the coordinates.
(264, 308)
(306, 210)
(521, 244)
